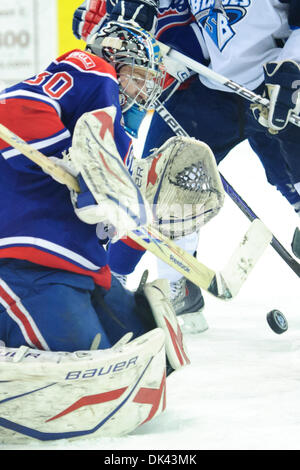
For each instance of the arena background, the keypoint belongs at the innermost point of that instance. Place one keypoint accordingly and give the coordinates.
(32, 33)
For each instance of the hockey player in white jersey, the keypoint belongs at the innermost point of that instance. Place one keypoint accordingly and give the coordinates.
(252, 42)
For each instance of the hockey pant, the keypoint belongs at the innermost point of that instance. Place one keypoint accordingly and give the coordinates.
(57, 310)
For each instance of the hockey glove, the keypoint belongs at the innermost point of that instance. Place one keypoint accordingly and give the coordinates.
(282, 82)
(141, 12)
(88, 18)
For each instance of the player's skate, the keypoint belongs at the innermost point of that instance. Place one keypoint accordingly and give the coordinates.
(116, 198)
(188, 304)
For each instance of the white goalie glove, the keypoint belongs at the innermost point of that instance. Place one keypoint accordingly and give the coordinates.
(97, 393)
(182, 184)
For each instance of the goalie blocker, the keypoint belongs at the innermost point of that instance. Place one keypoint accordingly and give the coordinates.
(182, 184)
(49, 396)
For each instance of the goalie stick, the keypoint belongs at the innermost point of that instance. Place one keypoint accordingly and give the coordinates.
(296, 243)
(172, 55)
(275, 243)
(223, 285)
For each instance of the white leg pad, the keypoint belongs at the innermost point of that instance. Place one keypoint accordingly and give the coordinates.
(46, 396)
(158, 295)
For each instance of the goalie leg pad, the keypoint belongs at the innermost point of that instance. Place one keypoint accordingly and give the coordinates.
(158, 294)
(46, 396)
(296, 243)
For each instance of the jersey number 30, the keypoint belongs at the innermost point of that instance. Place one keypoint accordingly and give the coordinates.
(56, 85)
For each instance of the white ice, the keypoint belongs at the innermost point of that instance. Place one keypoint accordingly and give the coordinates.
(242, 389)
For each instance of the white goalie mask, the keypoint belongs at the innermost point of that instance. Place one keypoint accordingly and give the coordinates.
(136, 57)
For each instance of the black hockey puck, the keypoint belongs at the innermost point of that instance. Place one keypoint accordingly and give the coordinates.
(277, 321)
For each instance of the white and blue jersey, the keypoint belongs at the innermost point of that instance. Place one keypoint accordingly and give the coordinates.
(176, 27)
(242, 35)
(236, 37)
(38, 223)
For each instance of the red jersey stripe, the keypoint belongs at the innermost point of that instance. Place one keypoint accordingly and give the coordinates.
(34, 255)
(29, 119)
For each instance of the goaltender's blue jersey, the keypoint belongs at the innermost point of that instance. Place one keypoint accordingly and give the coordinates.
(38, 223)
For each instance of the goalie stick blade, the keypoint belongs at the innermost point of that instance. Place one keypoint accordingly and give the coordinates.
(218, 288)
(296, 243)
(245, 257)
(225, 284)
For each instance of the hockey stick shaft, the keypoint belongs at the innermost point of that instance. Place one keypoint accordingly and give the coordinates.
(37, 157)
(278, 247)
(173, 54)
(161, 246)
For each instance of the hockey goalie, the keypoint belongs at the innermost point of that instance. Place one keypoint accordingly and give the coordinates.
(47, 395)
(80, 355)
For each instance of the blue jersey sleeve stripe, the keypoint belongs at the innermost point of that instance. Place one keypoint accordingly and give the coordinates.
(39, 144)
